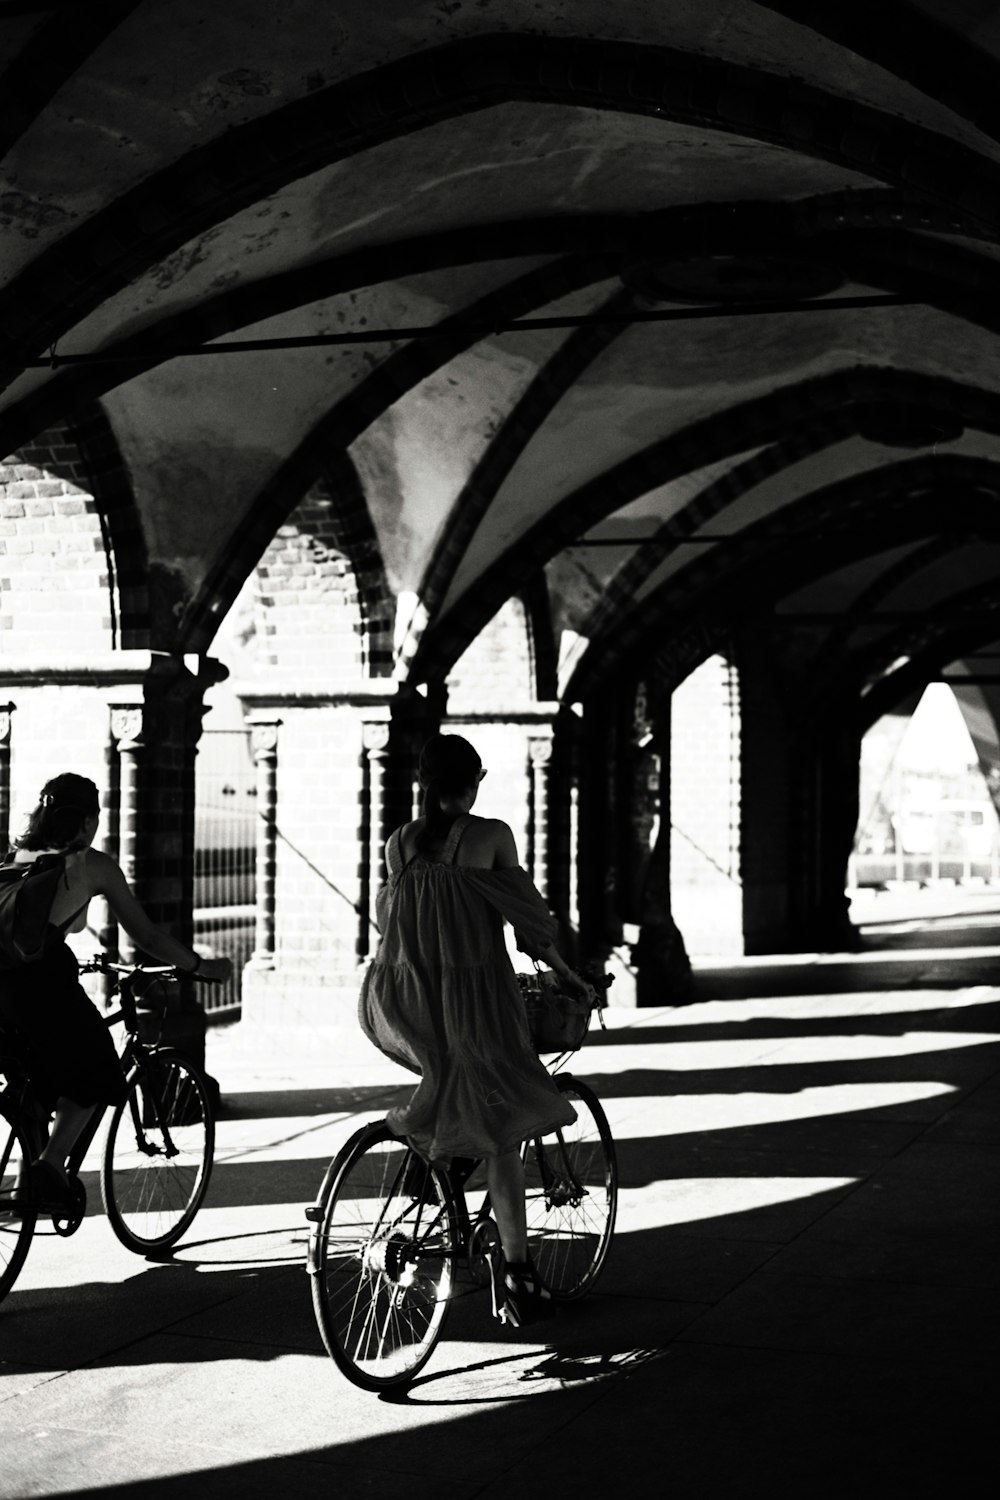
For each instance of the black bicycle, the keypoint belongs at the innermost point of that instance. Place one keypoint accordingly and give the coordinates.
(158, 1153)
(394, 1236)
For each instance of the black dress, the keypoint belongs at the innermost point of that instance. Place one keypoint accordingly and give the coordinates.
(70, 1051)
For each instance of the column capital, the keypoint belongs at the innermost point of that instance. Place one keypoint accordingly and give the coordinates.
(264, 737)
(6, 709)
(540, 750)
(127, 726)
(375, 736)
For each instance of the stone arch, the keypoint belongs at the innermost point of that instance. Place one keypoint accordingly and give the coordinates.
(862, 514)
(973, 622)
(869, 229)
(551, 383)
(49, 57)
(911, 45)
(333, 435)
(759, 422)
(922, 557)
(814, 219)
(215, 180)
(60, 579)
(111, 486)
(542, 639)
(237, 307)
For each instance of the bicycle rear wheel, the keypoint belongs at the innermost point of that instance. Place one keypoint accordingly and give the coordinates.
(158, 1154)
(17, 1213)
(382, 1259)
(571, 1189)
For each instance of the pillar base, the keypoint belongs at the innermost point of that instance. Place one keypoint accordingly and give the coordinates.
(663, 967)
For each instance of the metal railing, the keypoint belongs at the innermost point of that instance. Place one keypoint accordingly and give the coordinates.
(225, 858)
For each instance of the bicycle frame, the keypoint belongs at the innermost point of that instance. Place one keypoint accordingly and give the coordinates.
(134, 1053)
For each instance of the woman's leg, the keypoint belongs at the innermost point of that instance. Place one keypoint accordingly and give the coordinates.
(70, 1119)
(505, 1179)
(524, 1298)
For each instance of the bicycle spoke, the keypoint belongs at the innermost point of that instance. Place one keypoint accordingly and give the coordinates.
(382, 1261)
(159, 1151)
(17, 1214)
(572, 1191)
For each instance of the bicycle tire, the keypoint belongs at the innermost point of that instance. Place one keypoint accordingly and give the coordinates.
(151, 1196)
(382, 1259)
(17, 1211)
(571, 1196)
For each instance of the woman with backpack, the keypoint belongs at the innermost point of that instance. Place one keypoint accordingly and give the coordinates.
(72, 1060)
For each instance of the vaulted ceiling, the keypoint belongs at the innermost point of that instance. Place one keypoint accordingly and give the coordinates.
(664, 316)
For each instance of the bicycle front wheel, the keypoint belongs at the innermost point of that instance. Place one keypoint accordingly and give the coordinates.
(158, 1154)
(382, 1259)
(17, 1213)
(571, 1188)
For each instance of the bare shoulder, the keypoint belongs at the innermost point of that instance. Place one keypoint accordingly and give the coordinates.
(489, 843)
(102, 869)
(407, 838)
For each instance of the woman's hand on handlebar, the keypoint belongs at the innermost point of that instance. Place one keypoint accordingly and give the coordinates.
(217, 970)
(573, 981)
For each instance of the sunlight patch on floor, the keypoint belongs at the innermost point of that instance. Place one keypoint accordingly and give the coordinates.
(644, 1116)
(693, 1200)
(835, 1006)
(836, 1046)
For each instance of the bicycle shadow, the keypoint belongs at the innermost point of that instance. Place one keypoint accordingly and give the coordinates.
(249, 1291)
(575, 1408)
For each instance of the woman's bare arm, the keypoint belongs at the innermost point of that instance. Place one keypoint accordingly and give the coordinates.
(106, 879)
(505, 858)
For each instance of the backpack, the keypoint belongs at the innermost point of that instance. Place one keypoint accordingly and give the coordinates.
(26, 896)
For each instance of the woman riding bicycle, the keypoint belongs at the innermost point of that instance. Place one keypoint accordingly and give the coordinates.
(441, 998)
(71, 1057)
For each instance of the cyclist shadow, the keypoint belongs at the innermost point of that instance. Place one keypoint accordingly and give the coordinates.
(247, 1285)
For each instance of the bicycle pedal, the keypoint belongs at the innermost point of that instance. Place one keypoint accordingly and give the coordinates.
(67, 1221)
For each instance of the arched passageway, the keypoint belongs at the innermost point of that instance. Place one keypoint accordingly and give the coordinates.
(617, 387)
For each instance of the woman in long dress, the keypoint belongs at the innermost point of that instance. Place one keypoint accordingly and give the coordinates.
(441, 998)
(71, 1057)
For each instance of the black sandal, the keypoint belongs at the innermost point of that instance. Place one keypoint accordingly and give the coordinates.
(526, 1298)
(52, 1192)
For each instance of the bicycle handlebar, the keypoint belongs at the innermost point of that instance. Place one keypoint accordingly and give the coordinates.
(126, 975)
(102, 964)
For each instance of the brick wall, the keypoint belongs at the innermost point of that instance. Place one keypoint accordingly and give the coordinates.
(54, 573)
(706, 892)
(306, 616)
(496, 669)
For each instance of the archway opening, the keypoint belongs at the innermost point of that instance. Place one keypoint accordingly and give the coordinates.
(928, 838)
(705, 796)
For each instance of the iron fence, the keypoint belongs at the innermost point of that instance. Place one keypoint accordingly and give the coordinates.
(225, 859)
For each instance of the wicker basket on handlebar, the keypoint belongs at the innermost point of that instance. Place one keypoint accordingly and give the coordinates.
(557, 1021)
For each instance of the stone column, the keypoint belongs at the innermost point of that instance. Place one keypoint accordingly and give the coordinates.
(540, 753)
(127, 734)
(264, 744)
(376, 743)
(5, 712)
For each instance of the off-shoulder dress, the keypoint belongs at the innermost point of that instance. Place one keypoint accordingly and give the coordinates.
(441, 999)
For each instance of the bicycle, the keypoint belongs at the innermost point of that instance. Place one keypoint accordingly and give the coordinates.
(158, 1153)
(392, 1233)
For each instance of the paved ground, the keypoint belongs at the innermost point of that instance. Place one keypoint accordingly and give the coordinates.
(803, 1296)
